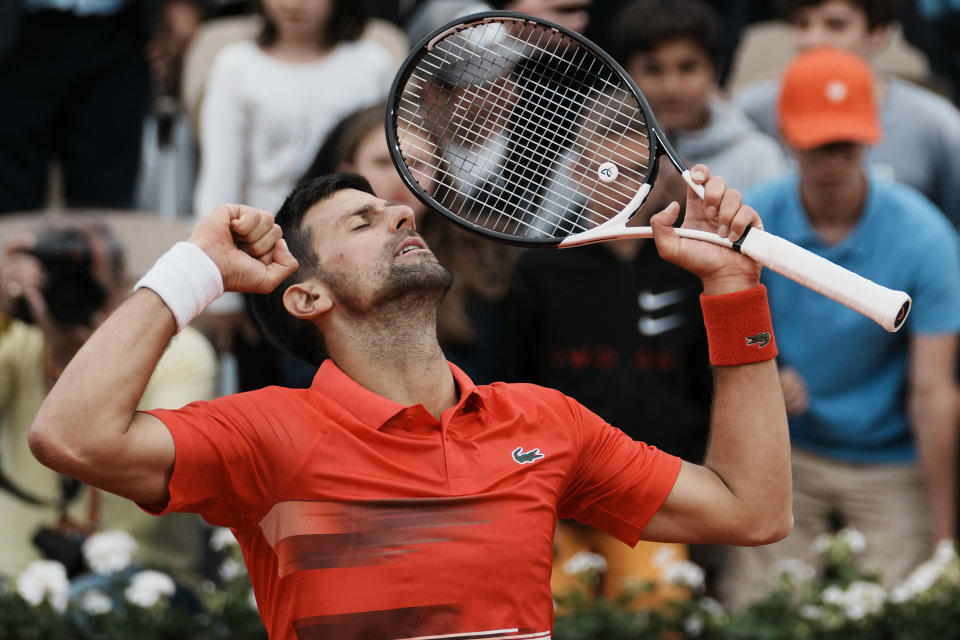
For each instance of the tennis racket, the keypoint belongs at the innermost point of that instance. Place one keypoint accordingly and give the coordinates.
(525, 132)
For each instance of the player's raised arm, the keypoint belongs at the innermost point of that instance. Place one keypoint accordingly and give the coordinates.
(742, 492)
(88, 427)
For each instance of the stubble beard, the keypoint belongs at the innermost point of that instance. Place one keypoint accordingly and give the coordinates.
(406, 288)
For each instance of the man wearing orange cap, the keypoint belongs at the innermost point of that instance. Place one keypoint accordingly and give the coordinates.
(872, 421)
(921, 129)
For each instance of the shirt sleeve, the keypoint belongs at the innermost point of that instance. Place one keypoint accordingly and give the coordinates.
(233, 456)
(618, 483)
(936, 291)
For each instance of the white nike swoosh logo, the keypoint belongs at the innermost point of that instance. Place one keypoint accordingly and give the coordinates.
(653, 301)
(655, 326)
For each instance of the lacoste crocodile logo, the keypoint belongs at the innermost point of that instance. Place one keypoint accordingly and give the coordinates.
(524, 457)
(759, 340)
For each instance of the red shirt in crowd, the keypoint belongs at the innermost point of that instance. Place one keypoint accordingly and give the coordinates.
(360, 518)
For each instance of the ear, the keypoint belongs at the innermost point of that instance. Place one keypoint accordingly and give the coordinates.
(307, 300)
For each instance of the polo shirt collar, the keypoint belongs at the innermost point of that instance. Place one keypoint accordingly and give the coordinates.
(373, 409)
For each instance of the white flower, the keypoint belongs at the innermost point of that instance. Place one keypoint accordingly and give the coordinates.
(945, 553)
(665, 555)
(864, 598)
(585, 561)
(919, 581)
(230, 569)
(109, 552)
(859, 600)
(833, 595)
(712, 608)
(853, 539)
(811, 612)
(684, 573)
(221, 538)
(693, 625)
(795, 570)
(44, 580)
(96, 602)
(147, 587)
(821, 543)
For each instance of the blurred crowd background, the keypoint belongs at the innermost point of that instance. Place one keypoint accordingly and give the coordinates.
(122, 122)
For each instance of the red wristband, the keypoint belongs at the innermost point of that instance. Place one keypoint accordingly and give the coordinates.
(739, 330)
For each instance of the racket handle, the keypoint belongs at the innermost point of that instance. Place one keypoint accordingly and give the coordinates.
(886, 307)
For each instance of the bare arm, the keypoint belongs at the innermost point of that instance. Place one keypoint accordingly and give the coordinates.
(931, 404)
(742, 492)
(88, 426)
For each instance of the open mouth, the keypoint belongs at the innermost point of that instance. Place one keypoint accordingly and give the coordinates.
(409, 245)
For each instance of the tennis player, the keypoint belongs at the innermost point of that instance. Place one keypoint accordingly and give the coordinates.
(395, 498)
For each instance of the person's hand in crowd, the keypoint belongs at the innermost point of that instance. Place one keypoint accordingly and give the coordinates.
(179, 21)
(795, 397)
(21, 274)
(22, 280)
(571, 14)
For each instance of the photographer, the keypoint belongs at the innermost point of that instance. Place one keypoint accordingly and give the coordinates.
(56, 287)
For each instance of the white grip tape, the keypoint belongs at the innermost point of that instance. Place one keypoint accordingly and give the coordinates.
(887, 307)
(186, 279)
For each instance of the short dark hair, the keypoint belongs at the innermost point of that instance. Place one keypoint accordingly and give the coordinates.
(643, 25)
(300, 337)
(880, 13)
(346, 23)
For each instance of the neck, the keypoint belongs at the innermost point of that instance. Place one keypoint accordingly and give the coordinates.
(396, 355)
(834, 214)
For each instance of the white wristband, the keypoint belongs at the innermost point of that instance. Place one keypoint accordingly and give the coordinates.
(186, 279)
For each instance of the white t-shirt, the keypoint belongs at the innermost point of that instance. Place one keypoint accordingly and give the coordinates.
(263, 119)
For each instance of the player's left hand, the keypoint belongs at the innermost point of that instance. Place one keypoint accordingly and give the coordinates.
(721, 211)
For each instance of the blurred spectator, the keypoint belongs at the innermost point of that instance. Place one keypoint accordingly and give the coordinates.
(872, 417)
(77, 84)
(268, 105)
(673, 50)
(932, 26)
(428, 15)
(56, 286)
(467, 321)
(358, 143)
(920, 129)
(616, 326)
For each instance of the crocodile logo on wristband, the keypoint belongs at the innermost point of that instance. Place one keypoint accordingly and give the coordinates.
(759, 340)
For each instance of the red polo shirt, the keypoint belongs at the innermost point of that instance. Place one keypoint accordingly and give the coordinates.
(360, 518)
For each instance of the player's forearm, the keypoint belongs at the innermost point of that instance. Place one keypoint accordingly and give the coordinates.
(933, 417)
(88, 411)
(750, 451)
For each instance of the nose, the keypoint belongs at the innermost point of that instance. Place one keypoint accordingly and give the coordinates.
(810, 36)
(401, 217)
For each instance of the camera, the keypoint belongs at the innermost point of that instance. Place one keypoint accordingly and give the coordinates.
(72, 292)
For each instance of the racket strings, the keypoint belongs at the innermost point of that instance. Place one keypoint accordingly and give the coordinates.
(538, 124)
(464, 113)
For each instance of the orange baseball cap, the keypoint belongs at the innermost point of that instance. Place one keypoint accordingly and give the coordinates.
(828, 96)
